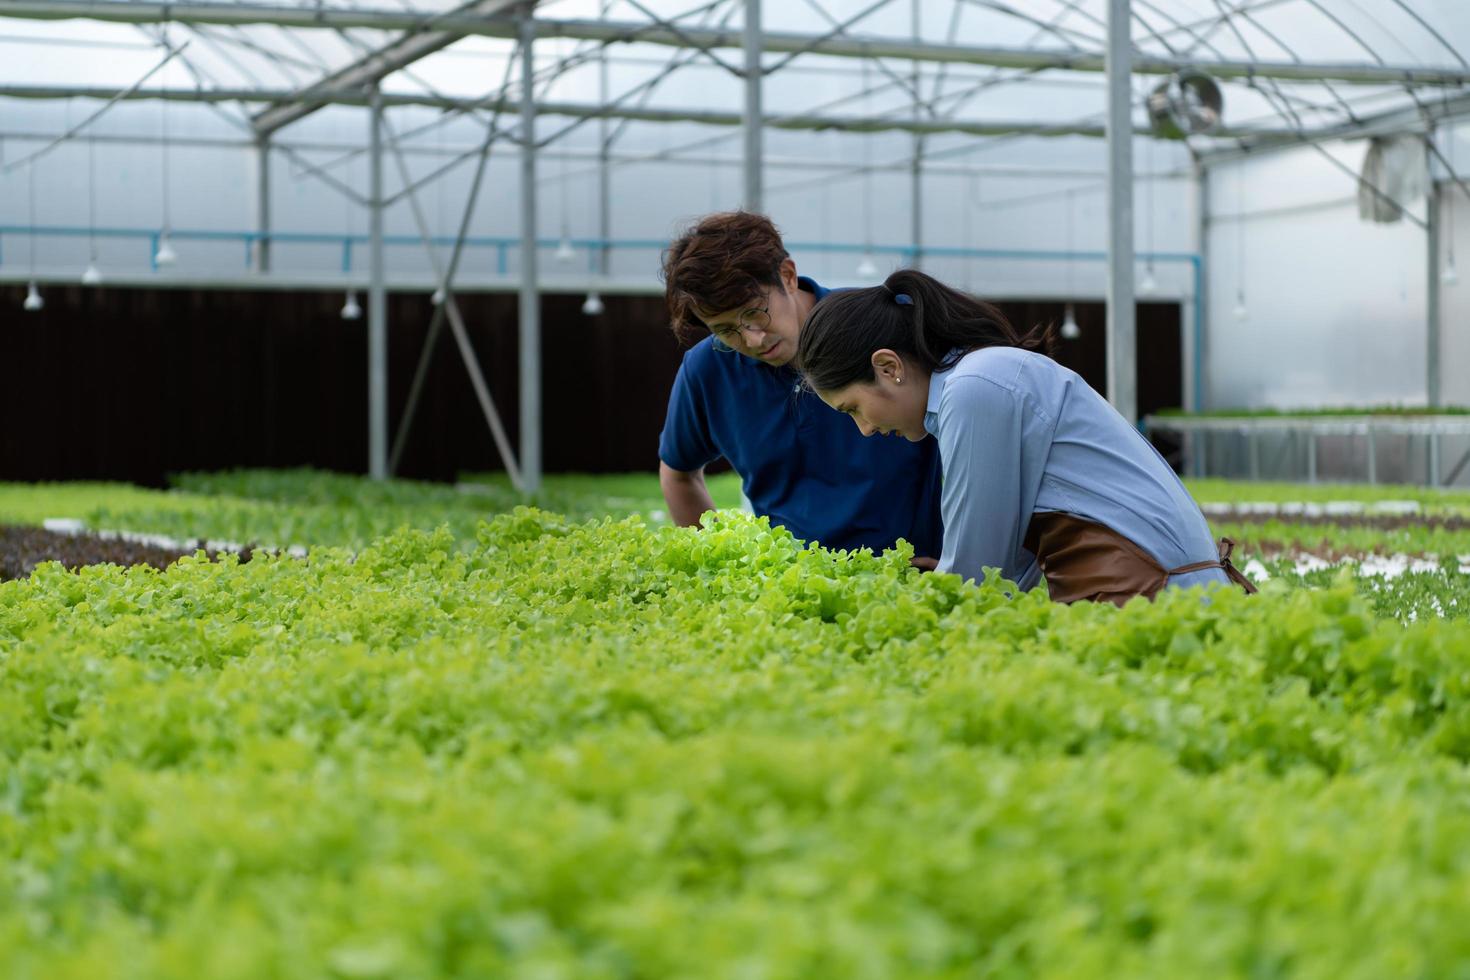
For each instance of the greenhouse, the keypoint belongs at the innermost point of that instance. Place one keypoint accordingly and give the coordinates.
(642, 488)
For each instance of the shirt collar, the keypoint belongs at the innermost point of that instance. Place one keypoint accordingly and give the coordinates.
(937, 381)
(812, 286)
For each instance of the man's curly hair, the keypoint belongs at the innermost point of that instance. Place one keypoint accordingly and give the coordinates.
(722, 262)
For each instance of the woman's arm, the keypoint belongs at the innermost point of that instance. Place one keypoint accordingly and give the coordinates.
(990, 480)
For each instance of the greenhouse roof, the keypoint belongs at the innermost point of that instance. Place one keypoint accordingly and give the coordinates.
(984, 69)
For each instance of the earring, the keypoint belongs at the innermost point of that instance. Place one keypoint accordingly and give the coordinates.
(898, 381)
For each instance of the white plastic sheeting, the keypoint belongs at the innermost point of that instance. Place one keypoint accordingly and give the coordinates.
(1334, 306)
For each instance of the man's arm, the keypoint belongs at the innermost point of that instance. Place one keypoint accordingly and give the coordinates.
(685, 493)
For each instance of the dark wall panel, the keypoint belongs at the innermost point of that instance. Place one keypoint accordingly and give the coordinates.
(134, 384)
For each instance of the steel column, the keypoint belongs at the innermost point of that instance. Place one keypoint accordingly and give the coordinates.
(916, 175)
(377, 304)
(1122, 366)
(1432, 344)
(1199, 386)
(263, 205)
(604, 166)
(530, 307)
(1194, 341)
(753, 111)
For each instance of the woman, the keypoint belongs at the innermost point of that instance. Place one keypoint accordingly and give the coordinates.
(1041, 475)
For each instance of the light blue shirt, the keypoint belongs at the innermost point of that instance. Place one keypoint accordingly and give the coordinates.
(1019, 435)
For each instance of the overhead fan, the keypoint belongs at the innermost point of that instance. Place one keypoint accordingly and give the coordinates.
(1188, 103)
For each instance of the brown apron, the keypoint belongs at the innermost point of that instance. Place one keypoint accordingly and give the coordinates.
(1082, 559)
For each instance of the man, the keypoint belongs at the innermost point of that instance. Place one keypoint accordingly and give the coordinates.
(738, 396)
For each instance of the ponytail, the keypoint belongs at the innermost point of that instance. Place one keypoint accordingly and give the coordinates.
(913, 314)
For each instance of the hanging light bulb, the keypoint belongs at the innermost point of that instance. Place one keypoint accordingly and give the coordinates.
(1148, 284)
(867, 268)
(1070, 329)
(33, 301)
(1450, 276)
(350, 309)
(593, 306)
(93, 275)
(165, 256)
(1240, 312)
(564, 251)
(438, 298)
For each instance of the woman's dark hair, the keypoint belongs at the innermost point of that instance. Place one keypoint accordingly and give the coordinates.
(720, 263)
(913, 314)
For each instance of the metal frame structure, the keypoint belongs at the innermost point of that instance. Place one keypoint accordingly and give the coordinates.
(1300, 434)
(1128, 38)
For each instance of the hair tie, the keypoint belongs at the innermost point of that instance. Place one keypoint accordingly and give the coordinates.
(902, 299)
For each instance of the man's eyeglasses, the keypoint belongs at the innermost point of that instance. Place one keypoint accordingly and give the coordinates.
(755, 318)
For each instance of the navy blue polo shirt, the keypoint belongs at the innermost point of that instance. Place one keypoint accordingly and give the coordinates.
(802, 464)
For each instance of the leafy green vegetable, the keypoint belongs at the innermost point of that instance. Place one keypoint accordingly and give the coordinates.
(1431, 501)
(607, 749)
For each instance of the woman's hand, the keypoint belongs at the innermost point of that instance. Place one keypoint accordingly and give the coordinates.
(924, 564)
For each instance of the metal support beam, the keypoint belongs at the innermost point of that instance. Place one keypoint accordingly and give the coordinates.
(1436, 201)
(448, 308)
(372, 68)
(674, 155)
(1196, 341)
(575, 110)
(1417, 119)
(263, 205)
(1188, 337)
(1025, 58)
(1190, 312)
(754, 113)
(604, 167)
(916, 175)
(1449, 481)
(916, 203)
(377, 305)
(530, 307)
(442, 313)
(1122, 350)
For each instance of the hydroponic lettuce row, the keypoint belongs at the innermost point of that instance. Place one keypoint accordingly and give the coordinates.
(306, 507)
(608, 750)
(23, 548)
(309, 508)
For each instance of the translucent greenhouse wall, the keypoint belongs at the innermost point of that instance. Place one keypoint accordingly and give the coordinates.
(1455, 296)
(1018, 202)
(1335, 307)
